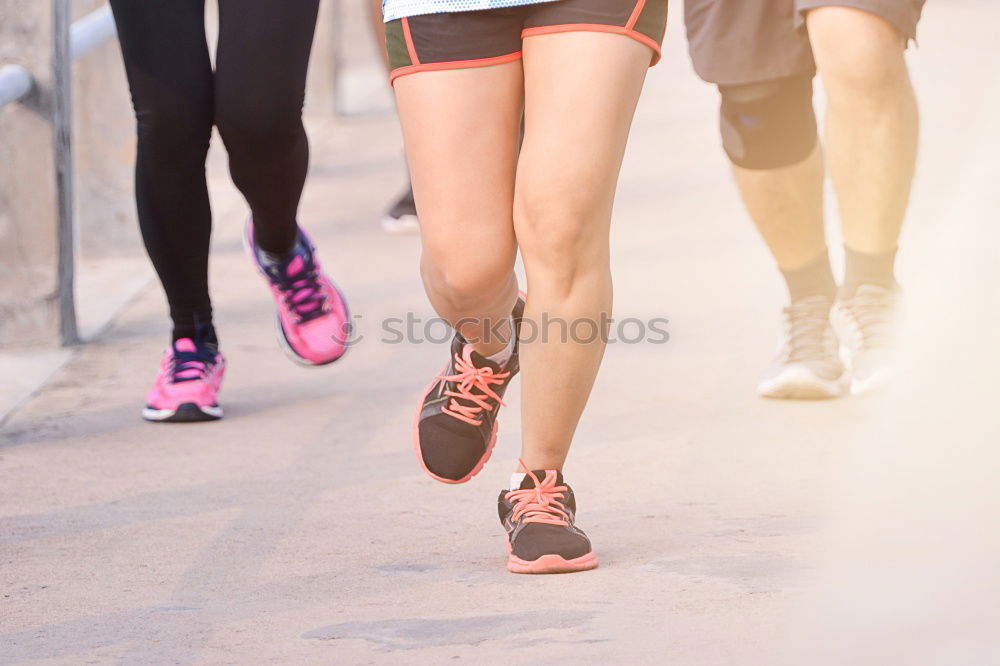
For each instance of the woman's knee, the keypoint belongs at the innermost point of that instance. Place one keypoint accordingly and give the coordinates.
(266, 128)
(562, 231)
(467, 281)
(176, 129)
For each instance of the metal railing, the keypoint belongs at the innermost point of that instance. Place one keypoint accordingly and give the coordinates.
(71, 41)
(85, 35)
(15, 84)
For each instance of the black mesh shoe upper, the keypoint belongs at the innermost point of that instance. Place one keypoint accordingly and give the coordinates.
(451, 447)
(545, 523)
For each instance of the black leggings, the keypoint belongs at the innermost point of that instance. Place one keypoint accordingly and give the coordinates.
(254, 97)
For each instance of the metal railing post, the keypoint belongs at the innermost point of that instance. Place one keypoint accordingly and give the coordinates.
(50, 99)
(62, 121)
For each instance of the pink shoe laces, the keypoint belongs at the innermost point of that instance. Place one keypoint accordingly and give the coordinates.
(540, 504)
(469, 378)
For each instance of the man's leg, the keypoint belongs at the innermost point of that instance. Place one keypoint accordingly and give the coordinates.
(762, 63)
(871, 134)
(769, 132)
(871, 143)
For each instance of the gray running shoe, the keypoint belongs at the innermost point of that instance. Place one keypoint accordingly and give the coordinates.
(865, 324)
(808, 366)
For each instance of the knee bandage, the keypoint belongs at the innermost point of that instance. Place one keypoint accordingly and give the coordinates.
(769, 124)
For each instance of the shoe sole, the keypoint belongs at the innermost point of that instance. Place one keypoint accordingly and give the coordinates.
(416, 441)
(189, 412)
(798, 384)
(283, 342)
(404, 225)
(550, 564)
(803, 391)
(858, 386)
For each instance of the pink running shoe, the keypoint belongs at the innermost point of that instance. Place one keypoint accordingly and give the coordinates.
(312, 320)
(187, 386)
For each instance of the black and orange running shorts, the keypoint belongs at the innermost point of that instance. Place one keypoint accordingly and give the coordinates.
(461, 40)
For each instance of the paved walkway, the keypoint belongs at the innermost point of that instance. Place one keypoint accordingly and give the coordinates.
(732, 530)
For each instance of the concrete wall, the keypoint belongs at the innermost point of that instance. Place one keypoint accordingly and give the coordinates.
(28, 211)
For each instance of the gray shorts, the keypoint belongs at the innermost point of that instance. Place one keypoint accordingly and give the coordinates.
(746, 41)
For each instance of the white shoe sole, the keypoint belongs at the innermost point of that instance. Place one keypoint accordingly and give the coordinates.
(400, 226)
(799, 383)
(293, 355)
(858, 385)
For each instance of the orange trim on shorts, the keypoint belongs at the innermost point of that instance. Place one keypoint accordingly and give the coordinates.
(410, 48)
(454, 64)
(597, 27)
(635, 14)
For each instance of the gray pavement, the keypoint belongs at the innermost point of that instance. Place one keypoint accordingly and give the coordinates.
(731, 530)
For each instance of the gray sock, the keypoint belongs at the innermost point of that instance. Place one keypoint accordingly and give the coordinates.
(813, 279)
(862, 268)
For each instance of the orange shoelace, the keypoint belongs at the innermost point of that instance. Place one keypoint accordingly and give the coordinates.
(540, 504)
(467, 378)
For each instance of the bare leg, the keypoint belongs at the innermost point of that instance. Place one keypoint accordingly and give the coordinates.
(871, 127)
(574, 142)
(786, 204)
(460, 128)
(378, 29)
(871, 143)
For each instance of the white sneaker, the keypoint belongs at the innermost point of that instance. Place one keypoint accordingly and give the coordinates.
(865, 324)
(808, 365)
